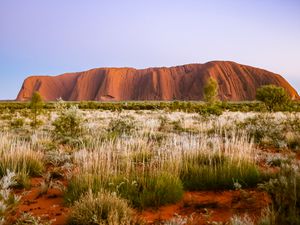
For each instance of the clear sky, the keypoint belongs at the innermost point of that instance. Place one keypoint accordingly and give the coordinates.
(50, 37)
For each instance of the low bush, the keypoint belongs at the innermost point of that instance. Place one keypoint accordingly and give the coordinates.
(101, 208)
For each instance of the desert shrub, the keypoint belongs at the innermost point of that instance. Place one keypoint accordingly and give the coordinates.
(275, 98)
(216, 171)
(284, 190)
(101, 208)
(8, 200)
(68, 126)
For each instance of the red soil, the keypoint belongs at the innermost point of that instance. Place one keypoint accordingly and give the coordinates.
(208, 206)
(203, 206)
(49, 207)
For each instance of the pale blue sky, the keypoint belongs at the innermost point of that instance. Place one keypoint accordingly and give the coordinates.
(50, 37)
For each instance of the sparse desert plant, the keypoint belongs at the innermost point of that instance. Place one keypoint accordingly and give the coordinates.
(101, 208)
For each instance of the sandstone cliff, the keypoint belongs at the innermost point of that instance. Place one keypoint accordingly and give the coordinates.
(236, 82)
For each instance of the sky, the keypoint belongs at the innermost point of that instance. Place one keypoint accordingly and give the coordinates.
(51, 37)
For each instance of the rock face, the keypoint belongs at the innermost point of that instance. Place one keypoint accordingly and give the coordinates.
(236, 83)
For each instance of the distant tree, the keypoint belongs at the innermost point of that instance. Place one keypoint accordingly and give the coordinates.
(274, 97)
(210, 91)
(36, 105)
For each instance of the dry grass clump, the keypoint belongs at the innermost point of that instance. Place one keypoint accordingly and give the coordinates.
(18, 156)
(101, 208)
(219, 165)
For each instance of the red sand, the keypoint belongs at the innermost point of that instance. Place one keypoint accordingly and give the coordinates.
(208, 206)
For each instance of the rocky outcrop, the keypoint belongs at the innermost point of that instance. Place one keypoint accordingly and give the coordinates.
(236, 83)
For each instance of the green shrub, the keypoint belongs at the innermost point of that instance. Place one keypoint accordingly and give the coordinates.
(101, 208)
(275, 98)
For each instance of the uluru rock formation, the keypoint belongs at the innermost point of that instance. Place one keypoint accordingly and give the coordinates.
(236, 83)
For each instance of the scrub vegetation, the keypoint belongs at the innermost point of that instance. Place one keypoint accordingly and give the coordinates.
(111, 165)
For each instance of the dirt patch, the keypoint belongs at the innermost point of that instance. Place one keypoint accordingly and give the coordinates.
(49, 206)
(207, 206)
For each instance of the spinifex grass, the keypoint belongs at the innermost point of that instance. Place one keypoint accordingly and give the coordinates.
(218, 172)
(18, 156)
(101, 208)
(220, 166)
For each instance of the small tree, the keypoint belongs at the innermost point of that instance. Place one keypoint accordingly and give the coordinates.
(36, 105)
(274, 98)
(210, 91)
